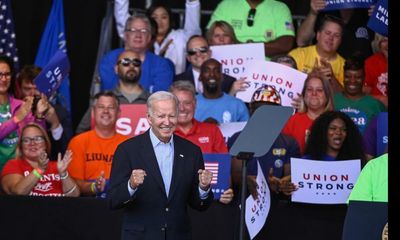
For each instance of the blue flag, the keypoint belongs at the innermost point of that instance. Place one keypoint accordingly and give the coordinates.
(8, 45)
(53, 39)
(344, 4)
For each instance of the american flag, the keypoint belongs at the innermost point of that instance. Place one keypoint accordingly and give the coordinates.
(8, 45)
(212, 167)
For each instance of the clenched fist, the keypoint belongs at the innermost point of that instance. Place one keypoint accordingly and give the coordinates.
(205, 178)
(137, 178)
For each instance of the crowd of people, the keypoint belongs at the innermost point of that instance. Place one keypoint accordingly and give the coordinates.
(154, 176)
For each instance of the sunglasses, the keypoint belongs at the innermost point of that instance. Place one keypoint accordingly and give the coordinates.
(250, 17)
(127, 61)
(193, 51)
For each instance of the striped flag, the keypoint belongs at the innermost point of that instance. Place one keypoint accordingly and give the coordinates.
(8, 45)
(212, 167)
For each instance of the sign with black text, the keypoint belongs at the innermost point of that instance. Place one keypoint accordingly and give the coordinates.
(323, 182)
(234, 58)
(286, 80)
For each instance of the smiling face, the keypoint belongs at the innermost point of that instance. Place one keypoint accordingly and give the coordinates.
(105, 112)
(198, 58)
(353, 83)
(33, 143)
(5, 78)
(336, 135)
(211, 76)
(187, 105)
(329, 38)
(163, 118)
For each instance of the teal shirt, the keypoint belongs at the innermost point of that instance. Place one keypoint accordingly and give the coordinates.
(372, 184)
(271, 21)
(361, 111)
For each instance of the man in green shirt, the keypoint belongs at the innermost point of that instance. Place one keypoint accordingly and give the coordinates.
(267, 21)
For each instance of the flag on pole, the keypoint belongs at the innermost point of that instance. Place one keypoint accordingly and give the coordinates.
(8, 45)
(54, 39)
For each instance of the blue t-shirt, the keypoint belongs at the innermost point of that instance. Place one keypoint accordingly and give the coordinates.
(225, 109)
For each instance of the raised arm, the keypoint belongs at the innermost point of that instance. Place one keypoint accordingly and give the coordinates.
(305, 32)
(121, 14)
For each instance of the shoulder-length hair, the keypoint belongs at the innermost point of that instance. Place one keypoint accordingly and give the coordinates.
(226, 27)
(19, 153)
(317, 142)
(327, 90)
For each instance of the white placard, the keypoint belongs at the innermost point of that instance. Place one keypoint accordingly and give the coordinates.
(234, 57)
(286, 80)
(323, 182)
(257, 209)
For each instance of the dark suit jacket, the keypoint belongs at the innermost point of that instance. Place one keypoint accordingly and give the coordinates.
(149, 213)
(188, 76)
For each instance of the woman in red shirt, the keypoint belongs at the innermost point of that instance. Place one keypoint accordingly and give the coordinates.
(31, 173)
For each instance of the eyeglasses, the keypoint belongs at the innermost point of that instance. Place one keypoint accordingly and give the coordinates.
(5, 74)
(140, 31)
(193, 51)
(250, 17)
(35, 139)
(127, 61)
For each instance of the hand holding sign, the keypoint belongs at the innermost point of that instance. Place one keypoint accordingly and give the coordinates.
(50, 78)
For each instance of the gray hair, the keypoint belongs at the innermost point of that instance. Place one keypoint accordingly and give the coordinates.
(183, 85)
(283, 58)
(140, 16)
(158, 96)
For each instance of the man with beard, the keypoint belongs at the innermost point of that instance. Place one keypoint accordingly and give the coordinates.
(128, 90)
(93, 151)
(214, 105)
(157, 72)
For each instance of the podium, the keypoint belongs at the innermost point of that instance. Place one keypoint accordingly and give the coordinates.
(365, 220)
(255, 140)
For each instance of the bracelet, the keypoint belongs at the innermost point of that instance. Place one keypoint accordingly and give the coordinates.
(15, 120)
(71, 190)
(36, 173)
(64, 176)
(39, 170)
(40, 117)
(93, 188)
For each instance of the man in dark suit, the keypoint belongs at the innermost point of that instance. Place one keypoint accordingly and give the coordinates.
(198, 51)
(155, 175)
